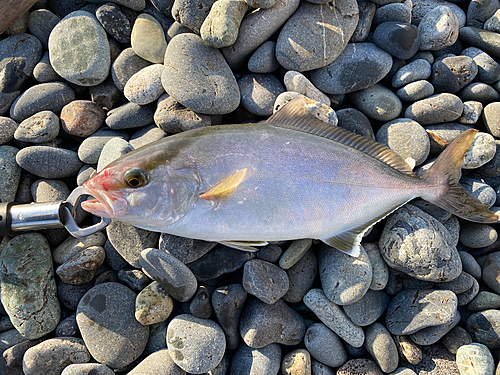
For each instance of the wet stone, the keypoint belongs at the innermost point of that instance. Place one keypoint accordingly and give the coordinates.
(145, 87)
(438, 108)
(134, 279)
(265, 280)
(345, 279)
(368, 309)
(195, 345)
(11, 172)
(334, 317)
(454, 339)
(253, 361)
(115, 22)
(79, 49)
(125, 66)
(359, 366)
(228, 303)
(475, 359)
(409, 230)
(52, 96)
(153, 304)
(112, 342)
(453, 73)
(90, 149)
(412, 310)
(170, 273)
(301, 277)
(159, 362)
(324, 345)
(438, 29)
(81, 268)
(28, 289)
(130, 115)
(359, 66)
(476, 235)
(399, 39)
(263, 60)
(82, 118)
(296, 362)
(262, 324)
(54, 355)
(129, 241)
(380, 345)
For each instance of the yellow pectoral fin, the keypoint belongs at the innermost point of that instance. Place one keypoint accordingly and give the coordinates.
(224, 189)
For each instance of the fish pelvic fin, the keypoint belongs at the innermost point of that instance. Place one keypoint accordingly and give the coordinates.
(444, 176)
(249, 246)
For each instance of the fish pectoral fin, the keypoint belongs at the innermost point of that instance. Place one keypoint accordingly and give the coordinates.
(244, 245)
(224, 189)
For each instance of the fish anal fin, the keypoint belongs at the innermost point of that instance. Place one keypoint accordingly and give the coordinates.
(244, 245)
(294, 115)
(224, 189)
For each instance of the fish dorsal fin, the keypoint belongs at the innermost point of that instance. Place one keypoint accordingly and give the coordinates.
(224, 189)
(350, 240)
(294, 115)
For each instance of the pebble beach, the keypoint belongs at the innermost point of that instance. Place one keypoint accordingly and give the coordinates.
(85, 82)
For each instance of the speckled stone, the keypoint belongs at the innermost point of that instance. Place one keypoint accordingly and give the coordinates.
(265, 280)
(90, 149)
(324, 345)
(438, 108)
(438, 29)
(484, 301)
(359, 366)
(191, 14)
(195, 345)
(263, 60)
(451, 74)
(85, 60)
(11, 173)
(171, 273)
(53, 355)
(82, 267)
(484, 328)
(296, 362)
(130, 115)
(253, 361)
(228, 303)
(334, 317)
(68, 327)
(39, 128)
(405, 137)
(125, 66)
(377, 102)
(153, 304)
(476, 235)
(52, 96)
(70, 295)
(185, 249)
(368, 309)
(28, 289)
(412, 310)
(475, 359)
(359, 66)
(159, 362)
(410, 230)
(111, 341)
(7, 129)
(115, 22)
(198, 77)
(472, 112)
(380, 345)
(262, 324)
(82, 118)
(329, 30)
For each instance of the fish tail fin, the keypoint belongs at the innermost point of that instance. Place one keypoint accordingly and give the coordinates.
(444, 175)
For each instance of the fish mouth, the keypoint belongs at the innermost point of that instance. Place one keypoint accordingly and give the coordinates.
(104, 204)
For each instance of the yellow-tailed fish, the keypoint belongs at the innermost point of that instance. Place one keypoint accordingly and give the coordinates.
(290, 177)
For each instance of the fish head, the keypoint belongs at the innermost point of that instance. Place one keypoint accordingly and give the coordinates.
(143, 189)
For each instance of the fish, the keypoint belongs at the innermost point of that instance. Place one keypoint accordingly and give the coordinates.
(290, 177)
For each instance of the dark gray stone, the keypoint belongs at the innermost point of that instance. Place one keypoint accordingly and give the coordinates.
(125, 66)
(359, 366)
(265, 280)
(488, 68)
(415, 91)
(381, 346)
(416, 70)
(11, 173)
(90, 149)
(399, 39)
(114, 22)
(256, 361)
(355, 121)
(49, 162)
(453, 73)
(324, 345)
(301, 277)
(487, 41)
(369, 308)
(200, 305)
(40, 23)
(130, 115)
(438, 108)
(68, 327)
(263, 60)
(259, 92)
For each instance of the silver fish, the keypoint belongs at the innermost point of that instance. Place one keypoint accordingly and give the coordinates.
(288, 178)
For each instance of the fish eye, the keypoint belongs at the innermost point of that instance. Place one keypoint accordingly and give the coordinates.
(135, 178)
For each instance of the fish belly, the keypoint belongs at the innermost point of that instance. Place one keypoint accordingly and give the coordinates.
(296, 185)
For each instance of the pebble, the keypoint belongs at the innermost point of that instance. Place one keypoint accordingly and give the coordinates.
(466, 297)
(87, 368)
(263, 60)
(220, 27)
(40, 24)
(487, 41)
(146, 135)
(359, 366)
(480, 92)
(159, 362)
(79, 49)
(422, 7)
(412, 310)
(130, 115)
(408, 350)
(106, 95)
(145, 87)
(355, 121)
(324, 345)
(129, 241)
(438, 29)
(476, 235)
(488, 68)
(200, 305)
(198, 77)
(170, 273)
(7, 129)
(10, 338)
(90, 149)
(472, 112)
(70, 295)
(301, 277)
(416, 70)
(490, 118)
(153, 304)
(82, 118)
(438, 108)
(134, 279)
(187, 250)
(484, 301)
(368, 309)
(475, 359)
(380, 272)
(296, 362)
(491, 270)
(52, 96)
(259, 93)
(148, 39)
(257, 28)
(415, 91)
(44, 72)
(431, 335)
(330, 28)
(111, 151)
(407, 138)
(11, 361)
(381, 346)
(6, 99)
(228, 303)
(358, 67)
(11, 173)
(345, 279)
(125, 66)
(262, 324)
(265, 280)
(401, 40)
(53, 355)
(454, 339)
(482, 151)
(111, 341)
(49, 162)
(460, 285)
(28, 290)
(195, 345)
(256, 361)
(366, 15)
(297, 82)
(115, 22)
(377, 102)
(492, 23)
(73, 246)
(334, 317)
(82, 268)
(483, 327)
(68, 327)
(394, 12)
(191, 14)
(451, 74)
